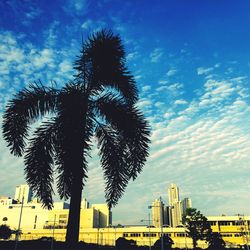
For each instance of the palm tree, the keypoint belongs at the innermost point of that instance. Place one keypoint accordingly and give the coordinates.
(100, 103)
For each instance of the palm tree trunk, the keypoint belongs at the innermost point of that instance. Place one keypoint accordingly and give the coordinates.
(194, 243)
(78, 133)
(72, 235)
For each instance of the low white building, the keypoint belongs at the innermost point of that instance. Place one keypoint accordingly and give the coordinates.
(34, 216)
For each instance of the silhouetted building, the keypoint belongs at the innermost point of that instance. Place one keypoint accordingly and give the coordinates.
(167, 216)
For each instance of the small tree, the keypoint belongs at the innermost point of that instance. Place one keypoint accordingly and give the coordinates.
(5, 219)
(5, 232)
(215, 241)
(197, 225)
(167, 241)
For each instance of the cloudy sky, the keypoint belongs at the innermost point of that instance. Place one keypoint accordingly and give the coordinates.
(191, 61)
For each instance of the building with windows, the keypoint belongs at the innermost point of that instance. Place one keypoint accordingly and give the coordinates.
(173, 194)
(23, 192)
(96, 220)
(34, 216)
(234, 231)
(185, 203)
(174, 205)
(157, 213)
(6, 200)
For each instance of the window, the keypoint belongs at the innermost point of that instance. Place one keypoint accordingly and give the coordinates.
(61, 216)
(135, 235)
(62, 221)
(125, 235)
(149, 235)
(167, 234)
(226, 235)
(212, 223)
(237, 235)
(224, 223)
(180, 234)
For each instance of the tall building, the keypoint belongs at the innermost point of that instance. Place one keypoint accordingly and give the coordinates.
(185, 203)
(175, 205)
(104, 215)
(23, 192)
(167, 216)
(173, 194)
(84, 204)
(157, 213)
(176, 214)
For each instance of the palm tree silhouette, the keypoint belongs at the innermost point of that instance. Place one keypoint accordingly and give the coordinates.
(100, 103)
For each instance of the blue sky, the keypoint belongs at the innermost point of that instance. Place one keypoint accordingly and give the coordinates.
(191, 61)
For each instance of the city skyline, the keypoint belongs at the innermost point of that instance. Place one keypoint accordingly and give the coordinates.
(191, 63)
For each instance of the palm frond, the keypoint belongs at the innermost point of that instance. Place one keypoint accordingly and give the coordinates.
(102, 62)
(132, 125)
(28, 105)
(39, 163)
(113, 161)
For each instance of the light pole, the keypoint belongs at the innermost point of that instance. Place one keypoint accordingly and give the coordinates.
(149, 234)
(19, 224)
(53, 231)
(161, 222)
(20, 220)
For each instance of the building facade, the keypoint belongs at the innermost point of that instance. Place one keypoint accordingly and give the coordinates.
(157, 213)
(35, 217)
(23, 192)
(174, 205)
(234, 231)
(185, 204)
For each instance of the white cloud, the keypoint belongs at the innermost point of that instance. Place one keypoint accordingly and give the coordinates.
(171, 72)
(180, 102)
(143, 102)
(168, 114)
(159, 104)
(132, 56)
(204, 71)
(163, 82)
(87, 24)
(156, 55)
(65, 66)
(44, 58)
(93, 26)
(146, 88)
(73, 7)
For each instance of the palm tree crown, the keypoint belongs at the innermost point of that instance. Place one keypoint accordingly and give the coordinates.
(99, 102)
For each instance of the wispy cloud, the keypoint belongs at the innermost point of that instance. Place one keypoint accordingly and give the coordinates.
(156, 55)
(171, 72)
(93, 26)
(79, 7)
(204, 71)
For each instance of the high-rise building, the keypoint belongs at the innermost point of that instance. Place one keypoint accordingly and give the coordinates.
(158, 213)
(185, 203)
(173, 194)
(176, 214)
(167, 216)
(84, 204)
(23, 192)
(175, 205)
